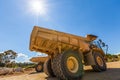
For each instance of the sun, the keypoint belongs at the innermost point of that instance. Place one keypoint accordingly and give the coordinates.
(38, 7)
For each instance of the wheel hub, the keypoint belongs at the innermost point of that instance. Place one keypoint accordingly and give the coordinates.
(100, 61)
(72, 64)
(39, 67)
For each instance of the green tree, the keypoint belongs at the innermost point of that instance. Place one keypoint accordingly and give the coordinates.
(109, 56)
(7, 57)
(118, 54)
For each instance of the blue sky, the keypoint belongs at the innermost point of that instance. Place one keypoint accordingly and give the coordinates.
(79, 17)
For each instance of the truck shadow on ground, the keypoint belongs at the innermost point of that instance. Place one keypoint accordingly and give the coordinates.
(114, 70)
(110, 74)
(89, 74)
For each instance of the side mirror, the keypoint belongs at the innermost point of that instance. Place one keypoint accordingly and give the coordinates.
(100, 41)
(103, 44)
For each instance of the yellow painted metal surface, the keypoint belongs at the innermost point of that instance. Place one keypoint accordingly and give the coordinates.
(38, 59)
(51, 41)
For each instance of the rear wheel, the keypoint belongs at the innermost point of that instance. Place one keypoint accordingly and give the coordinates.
(47, 68)
(68, 65)
(100, 64)
(39, 67)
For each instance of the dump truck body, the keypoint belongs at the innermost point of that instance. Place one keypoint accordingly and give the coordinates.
(40, 62)
(38, 59)
(51, 41)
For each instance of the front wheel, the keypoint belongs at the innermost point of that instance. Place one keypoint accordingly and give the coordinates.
(100, 64)
(68, 65)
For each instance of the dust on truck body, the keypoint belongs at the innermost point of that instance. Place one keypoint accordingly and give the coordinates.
(67, 52)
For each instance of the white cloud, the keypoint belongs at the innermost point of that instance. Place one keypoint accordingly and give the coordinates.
(41, 54)
(25, 58)
(22, 58)
(22, 55)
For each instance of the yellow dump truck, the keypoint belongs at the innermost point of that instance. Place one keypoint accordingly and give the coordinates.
(40, 61)
(67, 53)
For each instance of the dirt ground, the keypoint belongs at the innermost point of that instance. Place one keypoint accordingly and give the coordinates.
(113, 73)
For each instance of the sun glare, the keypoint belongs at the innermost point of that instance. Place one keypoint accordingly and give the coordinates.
(38, 7)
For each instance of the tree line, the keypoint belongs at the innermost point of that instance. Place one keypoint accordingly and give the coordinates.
(112, 57)
(7, 59)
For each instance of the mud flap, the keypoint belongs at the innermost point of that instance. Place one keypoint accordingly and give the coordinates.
(89, 59)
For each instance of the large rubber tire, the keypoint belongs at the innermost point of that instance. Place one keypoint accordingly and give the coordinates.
(100, 64)
(47, 68)
(62, 68)
(39, 67)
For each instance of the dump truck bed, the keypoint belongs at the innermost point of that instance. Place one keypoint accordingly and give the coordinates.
(51, 41)
(38, 59)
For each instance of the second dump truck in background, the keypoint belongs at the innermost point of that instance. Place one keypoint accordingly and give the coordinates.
(67, 52)
(40, 62)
